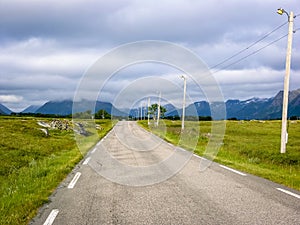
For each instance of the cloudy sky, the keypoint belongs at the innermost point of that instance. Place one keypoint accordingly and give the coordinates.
(46, 47)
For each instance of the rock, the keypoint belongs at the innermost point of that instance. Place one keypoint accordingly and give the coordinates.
(61, 124)
(43, 124)
(46, 132)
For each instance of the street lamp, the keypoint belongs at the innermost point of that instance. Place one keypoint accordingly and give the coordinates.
(284, 134)
(183, 103)
(158, 108)
(148, 111)
(141, 110)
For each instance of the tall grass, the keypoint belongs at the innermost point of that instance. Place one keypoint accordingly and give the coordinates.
(32, 165)
(250, 146)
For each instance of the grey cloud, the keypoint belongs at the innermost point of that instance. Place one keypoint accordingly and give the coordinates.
(46, 41)
(123, 21)
(254, 83)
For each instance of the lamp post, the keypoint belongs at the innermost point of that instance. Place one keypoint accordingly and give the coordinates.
(141, 111)
(284, 134)
(148, 111)
(183, 103)
(158, 108)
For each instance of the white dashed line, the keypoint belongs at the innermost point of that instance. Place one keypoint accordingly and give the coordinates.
(288, 192)
(232, 170)
(86, 161)
(51, 217)
(99, 143)
(73, 182)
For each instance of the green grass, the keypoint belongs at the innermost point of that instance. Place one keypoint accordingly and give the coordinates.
(32, 165)
(250, 146)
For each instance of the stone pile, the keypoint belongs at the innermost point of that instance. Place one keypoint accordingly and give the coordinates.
(58, 124)
(61, 124)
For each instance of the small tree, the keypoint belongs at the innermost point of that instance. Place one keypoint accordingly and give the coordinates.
(152, 110)
(102, 114)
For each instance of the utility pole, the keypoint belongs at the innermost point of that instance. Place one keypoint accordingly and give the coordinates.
(158, 108)
(148, 111)
(183, 103)
(284, 134)
(141, 110)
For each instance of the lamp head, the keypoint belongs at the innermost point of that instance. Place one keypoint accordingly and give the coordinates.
(280, 11)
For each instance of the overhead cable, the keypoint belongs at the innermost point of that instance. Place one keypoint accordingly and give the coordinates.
(251, 45)
(253, 53)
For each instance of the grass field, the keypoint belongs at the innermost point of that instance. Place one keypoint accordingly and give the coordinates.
(250, 146)
(32, 165)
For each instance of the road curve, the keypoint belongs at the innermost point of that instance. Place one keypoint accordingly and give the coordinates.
(217, 195)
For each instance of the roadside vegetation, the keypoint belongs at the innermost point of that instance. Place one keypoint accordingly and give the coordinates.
(33, 164)
(250, 146)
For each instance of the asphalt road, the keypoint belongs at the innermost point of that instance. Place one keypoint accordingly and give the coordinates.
(135, 194)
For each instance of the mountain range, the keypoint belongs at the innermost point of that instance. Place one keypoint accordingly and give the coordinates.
(4, 110)
(254, 108)
(66, 107)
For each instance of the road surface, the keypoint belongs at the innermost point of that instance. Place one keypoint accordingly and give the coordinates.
(218, 195)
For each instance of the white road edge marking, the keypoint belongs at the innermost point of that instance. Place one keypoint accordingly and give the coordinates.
(50, 219)
(93, 150)
(288, 192)
(181, 149)
(199, 157)
(75, 179)
(86, 161)
(232, 170)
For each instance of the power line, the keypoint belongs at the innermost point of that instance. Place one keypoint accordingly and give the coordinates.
(252, 53)
(251, 45)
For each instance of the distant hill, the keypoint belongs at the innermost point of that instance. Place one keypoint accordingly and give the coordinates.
(56, 108)
(31, 109)
(65, 107)
(4, 110)
(197, 108)
(2, 113)
(266, 108)
(169, 107)
(253, 108)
